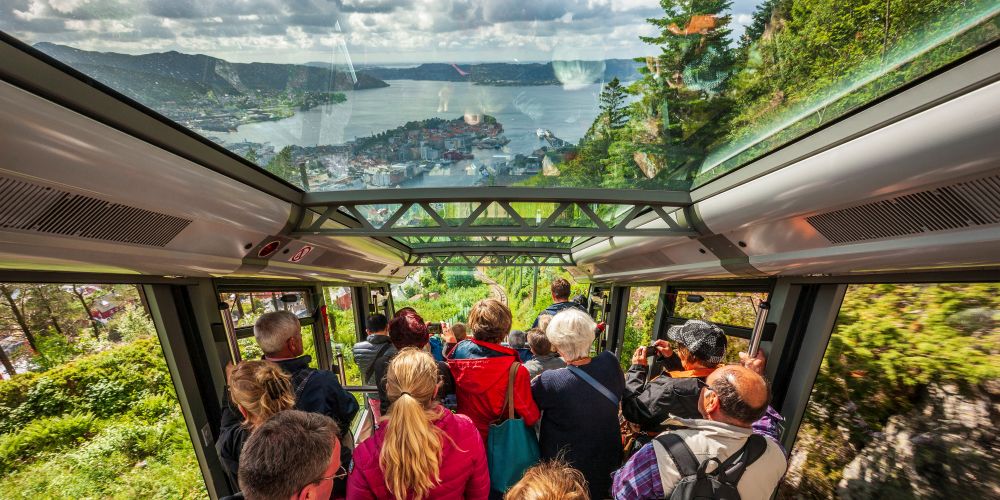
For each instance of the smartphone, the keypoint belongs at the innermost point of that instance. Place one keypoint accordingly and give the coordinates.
(434, 328)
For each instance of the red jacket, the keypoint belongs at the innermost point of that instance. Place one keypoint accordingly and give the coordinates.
(464, 473)
(481, 387)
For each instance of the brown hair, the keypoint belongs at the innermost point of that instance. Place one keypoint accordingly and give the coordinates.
(543, 322)
(538, 342)
(489, 321)
(458, 330)
(550, 480)
(262, 389)
(560, 289)
(285, 454)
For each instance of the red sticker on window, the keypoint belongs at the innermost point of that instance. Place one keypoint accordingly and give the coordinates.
(301, 253)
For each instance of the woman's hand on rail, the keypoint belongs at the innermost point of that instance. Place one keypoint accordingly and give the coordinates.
(756, 364)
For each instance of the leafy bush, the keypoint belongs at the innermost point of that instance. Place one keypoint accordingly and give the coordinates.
(43, 435)
(101, 383)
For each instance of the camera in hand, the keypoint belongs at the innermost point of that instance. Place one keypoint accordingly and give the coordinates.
(434, 328)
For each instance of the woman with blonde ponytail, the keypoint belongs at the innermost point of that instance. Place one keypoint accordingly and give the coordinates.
(421, 450)
(257, 390)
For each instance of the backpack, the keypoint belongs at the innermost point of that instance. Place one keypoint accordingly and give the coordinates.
(720, 483)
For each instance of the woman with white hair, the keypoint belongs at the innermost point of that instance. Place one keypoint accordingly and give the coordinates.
(580, 403)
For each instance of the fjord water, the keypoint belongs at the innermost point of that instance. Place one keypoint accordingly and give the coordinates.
(567, 112)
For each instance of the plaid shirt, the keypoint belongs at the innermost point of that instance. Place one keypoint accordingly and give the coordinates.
(639, 478)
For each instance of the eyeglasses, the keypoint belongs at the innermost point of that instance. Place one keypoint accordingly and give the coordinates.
(340, 474)
(703, 385)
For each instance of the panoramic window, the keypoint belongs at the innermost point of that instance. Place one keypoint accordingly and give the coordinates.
(246, 307)
(904, 404)
(632, 95)
(642, 303)
(340, 310)
(87, 407)
(726, 308)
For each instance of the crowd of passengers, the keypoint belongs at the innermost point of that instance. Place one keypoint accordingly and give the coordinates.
(682, 426)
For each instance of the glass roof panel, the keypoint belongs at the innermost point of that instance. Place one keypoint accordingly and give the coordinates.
(630, 95)
(563, 242)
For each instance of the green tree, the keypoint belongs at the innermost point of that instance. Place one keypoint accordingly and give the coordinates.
(683, 89)
(251, 155)
(15, 300)
(281, 165)
(612, 106)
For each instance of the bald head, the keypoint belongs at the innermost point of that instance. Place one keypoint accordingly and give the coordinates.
(737, 395)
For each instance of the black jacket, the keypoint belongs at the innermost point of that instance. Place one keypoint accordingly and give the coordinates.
(648, 404)
(232, 435)
(382, 368)
(556, 308)
(321, 392)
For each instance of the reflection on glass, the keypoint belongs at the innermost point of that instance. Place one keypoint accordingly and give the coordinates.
(629, 95)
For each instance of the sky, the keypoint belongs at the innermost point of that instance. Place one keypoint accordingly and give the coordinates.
(365, 31)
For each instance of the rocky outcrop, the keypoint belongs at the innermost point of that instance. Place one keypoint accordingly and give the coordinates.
(947, 447)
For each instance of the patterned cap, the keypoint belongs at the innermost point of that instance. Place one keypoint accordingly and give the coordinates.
(705, 340)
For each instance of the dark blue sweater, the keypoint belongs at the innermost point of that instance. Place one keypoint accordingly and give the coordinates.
(581, 422)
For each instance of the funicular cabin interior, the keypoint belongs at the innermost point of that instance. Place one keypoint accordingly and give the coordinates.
(96, 187)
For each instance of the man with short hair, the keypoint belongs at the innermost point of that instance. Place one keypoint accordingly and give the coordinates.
(376, 346)
(294, 454)
(279, 335)
(560, 300)
(730, 401)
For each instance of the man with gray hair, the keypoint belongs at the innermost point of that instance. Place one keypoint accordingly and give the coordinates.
(294, 454)
(279, 335)
(746, 465)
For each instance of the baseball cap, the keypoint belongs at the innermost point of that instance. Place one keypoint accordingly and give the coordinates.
(705, 340)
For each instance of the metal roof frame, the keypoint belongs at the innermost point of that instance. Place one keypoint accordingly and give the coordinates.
(650, 204)
(492, 258)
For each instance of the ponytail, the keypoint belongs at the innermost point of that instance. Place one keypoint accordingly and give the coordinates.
(410, 457)
(262, 389)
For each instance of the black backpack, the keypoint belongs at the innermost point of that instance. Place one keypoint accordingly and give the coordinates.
(720, 483)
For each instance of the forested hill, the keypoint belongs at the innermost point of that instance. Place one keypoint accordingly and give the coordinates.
(194, 73)
(551, 73)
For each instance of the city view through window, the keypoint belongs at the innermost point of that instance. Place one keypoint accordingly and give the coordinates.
(645, 94)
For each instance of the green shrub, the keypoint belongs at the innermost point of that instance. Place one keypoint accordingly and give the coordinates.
(154, 407)
(103, 383)
(43, 435)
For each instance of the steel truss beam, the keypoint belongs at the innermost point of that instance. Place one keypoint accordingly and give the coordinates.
(511, 223)
(492, 258)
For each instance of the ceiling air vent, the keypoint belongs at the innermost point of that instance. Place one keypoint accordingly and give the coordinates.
(966, 204)
(31, 207)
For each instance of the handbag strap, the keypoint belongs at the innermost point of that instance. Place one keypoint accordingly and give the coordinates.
(594, 383)
(510, 389)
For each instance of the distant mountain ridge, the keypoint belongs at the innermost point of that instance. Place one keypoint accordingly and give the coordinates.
(515, 74)
(195, 73)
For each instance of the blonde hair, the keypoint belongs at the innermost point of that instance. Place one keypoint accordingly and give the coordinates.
(262, 389)
(550, 480)
(489, 321)
(410, 458)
